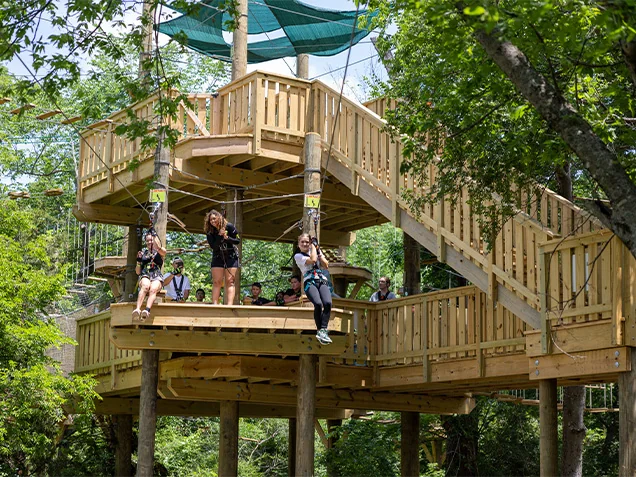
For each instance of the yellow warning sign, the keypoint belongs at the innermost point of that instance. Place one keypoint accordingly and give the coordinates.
(157, 195)
(312, 200)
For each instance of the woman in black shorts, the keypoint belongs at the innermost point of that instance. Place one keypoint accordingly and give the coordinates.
(149, 263)
(223, 238)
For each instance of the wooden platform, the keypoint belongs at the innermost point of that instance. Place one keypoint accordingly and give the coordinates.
(555, 297)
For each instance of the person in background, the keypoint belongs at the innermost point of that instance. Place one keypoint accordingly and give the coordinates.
(256, 298)
(293, 293)
(311, 262)
(149, 263)
(177, 285)
(223, 238)
(200, 295)
(383, 293)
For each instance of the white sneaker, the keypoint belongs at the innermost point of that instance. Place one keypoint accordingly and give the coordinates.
(144, 314)
(323, 337)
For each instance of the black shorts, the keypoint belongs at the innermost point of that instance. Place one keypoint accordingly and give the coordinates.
(225, 261)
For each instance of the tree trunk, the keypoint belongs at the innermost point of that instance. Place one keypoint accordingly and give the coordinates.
(573, 431)
(596, 157)
(461, 444)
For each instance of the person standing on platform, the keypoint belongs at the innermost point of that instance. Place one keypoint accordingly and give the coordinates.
(177, 285)
(149, 263)
(293, 293)
(200, 295)
(223, 238)
(383, 293)
(310, 261)
(256, 298)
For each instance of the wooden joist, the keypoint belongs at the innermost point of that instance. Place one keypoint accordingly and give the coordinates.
(21, 109)
(48, 114)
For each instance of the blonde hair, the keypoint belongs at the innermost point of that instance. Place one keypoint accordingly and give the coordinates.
(218, 219)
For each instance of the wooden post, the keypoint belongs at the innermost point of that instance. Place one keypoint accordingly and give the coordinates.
(627, 419)
(239, 44)
(332, 439)
(548, 424)
(291, 443)
(228, 445)
(312, 154)
(130, 279)
(302, 66)
(123, 445)
(235, 216)
(340, 286)
(411, 265)
(410, 445)
(305, 413)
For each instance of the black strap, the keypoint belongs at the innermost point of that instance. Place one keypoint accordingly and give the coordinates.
(178, 288)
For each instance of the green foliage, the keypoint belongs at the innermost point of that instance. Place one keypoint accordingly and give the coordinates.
(455, 99)
(33, 388)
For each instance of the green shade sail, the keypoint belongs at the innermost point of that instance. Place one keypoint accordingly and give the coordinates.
(306, 29)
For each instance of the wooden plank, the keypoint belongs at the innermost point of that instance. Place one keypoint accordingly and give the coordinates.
(617, 267)
(426, 339)
(573, 338)
(589, 363)
(226, 342)
(543, 298)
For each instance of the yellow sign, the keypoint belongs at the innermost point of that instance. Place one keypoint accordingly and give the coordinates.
(157, 195)
(312, 200)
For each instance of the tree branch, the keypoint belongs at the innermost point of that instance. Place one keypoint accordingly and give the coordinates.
(603, 166)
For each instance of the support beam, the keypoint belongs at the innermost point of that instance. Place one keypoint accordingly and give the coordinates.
(235, 216)
(228, 445)
(302, 66)
(123, 445)
(410, 445)
(291, 439)
(548, 424)
(627, 419)
(133, 245)
(411, 265)
(148, 412)
(239, 44)
(306, 405)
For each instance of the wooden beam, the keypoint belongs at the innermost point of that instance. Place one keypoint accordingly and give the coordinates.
(410, 444)
(198, 389)
(176, 407)
(626, 419)
(227, 342)
(585, 363)
(228, 438)
(305, 415)
(123, 445)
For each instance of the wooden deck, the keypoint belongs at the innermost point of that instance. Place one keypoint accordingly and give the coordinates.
(555, 297)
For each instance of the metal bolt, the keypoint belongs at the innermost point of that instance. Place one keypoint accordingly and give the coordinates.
(152, 334)
(152, 343)
(536, 362)
(617, 364)
(537, 372)
(617, 353)
(309, 348)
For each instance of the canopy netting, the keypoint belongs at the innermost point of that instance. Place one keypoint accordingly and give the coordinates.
(307, 29)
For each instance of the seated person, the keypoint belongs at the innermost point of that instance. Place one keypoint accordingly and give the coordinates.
(256, 298)
(280, 298)
(200, 295)
(293, 293)
(177, 285)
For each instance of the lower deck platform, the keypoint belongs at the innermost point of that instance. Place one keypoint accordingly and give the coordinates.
(427, 353)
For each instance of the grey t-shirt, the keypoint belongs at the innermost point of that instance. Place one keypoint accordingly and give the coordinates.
(377, 296)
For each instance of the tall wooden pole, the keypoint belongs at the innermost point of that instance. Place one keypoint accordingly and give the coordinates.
(235, 216)
(302, 66)
(150, 357)
(228, 445)
(123, 445)
(306, 400)
(332, 424)
(548, 426)
(410, 445)
(291, 444)
(412, 277)
(239, 43)
(627, 419)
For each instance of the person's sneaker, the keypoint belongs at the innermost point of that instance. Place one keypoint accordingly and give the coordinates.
(144, 314)
(327, 339)
(135, 314)
(322, 337)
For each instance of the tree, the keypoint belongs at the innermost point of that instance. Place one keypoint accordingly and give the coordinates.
(523, 86)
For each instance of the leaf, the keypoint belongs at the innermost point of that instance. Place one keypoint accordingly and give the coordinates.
(474, 11)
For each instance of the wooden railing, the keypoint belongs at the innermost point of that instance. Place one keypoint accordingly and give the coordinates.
(442, 325)
(95, 354)
(587, 278)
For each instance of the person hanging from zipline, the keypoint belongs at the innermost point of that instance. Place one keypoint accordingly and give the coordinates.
(223, 239)
(149, 263)
(310, 260)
